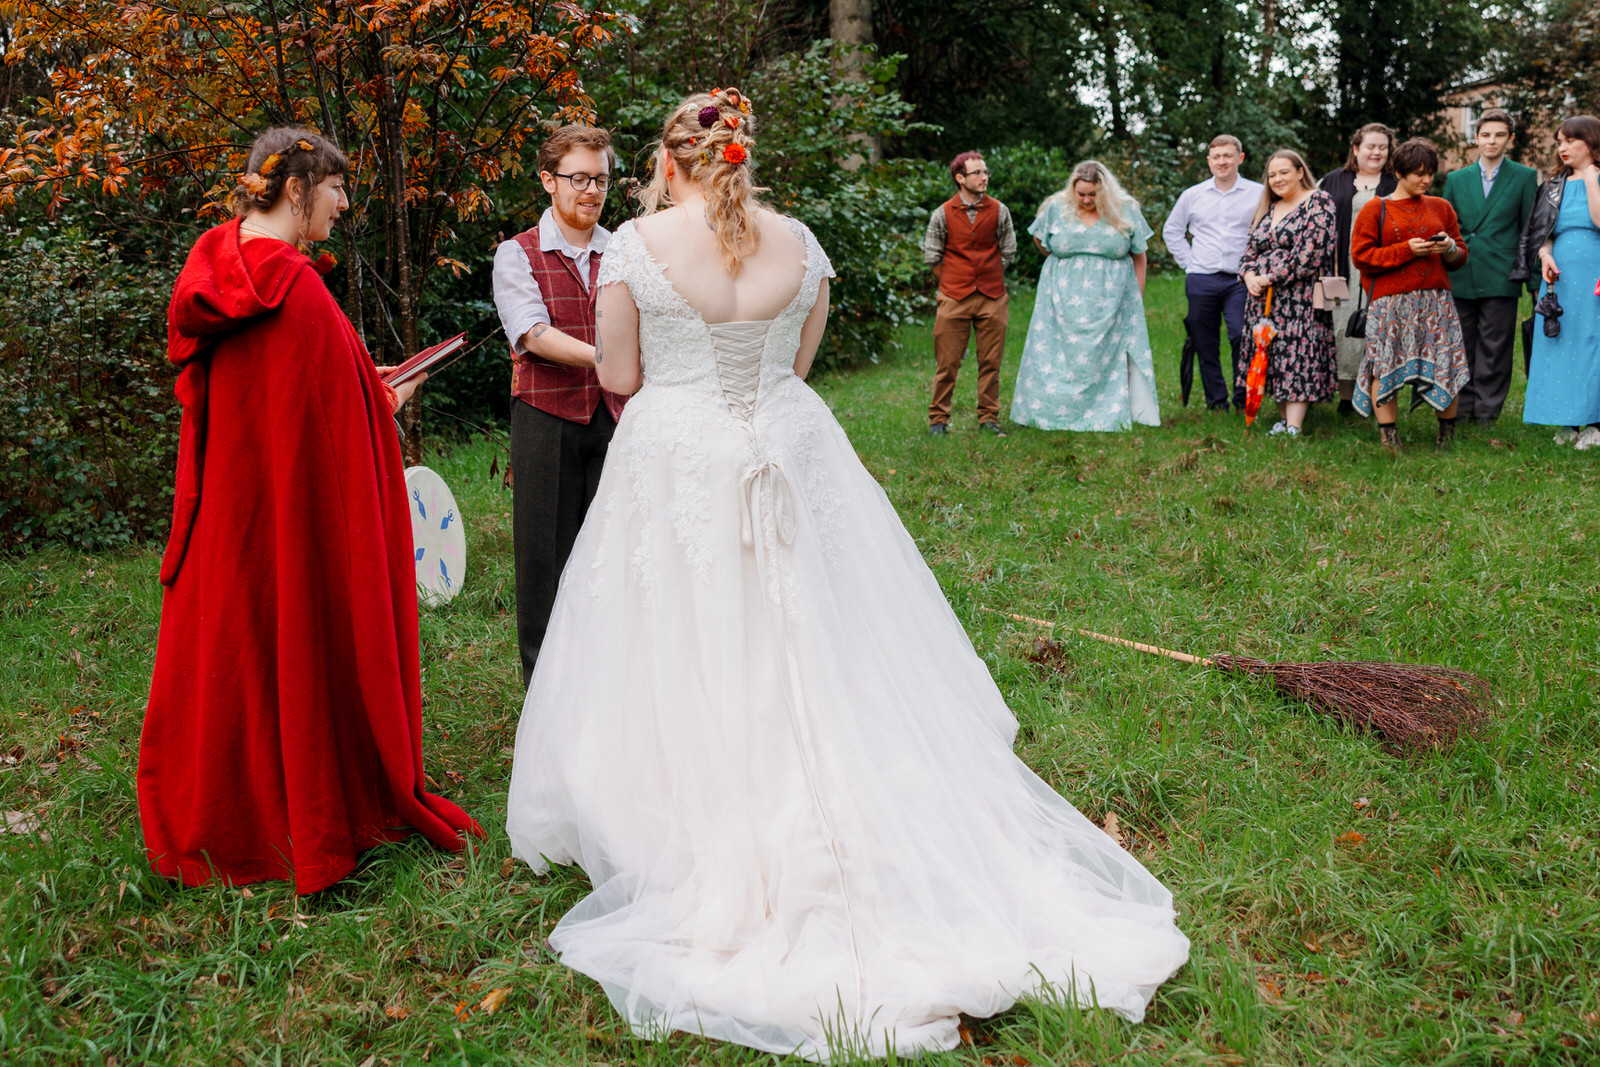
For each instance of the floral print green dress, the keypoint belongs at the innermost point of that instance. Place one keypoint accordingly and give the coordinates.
(1086, 364)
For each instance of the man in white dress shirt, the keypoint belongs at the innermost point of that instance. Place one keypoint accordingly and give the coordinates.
(561, 420)
(1206, 233)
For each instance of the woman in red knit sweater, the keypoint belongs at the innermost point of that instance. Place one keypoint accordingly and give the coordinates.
(1403, 244)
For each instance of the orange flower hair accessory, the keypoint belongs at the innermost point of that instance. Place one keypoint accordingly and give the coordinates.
(268, 163)
(733, 121)
(255, 183)
(735, 154)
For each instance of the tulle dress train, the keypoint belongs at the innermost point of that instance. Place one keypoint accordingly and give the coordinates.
(761, 731)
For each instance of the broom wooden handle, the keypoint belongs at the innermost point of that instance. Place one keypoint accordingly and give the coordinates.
(1181, 657)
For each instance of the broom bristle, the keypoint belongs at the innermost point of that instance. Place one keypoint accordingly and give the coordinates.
(1411, 707)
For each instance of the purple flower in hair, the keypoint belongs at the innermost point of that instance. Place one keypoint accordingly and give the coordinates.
(709, 116)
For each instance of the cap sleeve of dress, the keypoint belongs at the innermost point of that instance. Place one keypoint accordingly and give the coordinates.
(624, 259)
(1043, 225)
(1139, 238)
(817, 261)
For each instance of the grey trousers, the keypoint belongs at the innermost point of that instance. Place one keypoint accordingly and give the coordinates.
(555, 470)
(1489, 328)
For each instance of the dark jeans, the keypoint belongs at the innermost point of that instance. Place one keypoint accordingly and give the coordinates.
(1213, 299)
(1489, 328)
(555, 470)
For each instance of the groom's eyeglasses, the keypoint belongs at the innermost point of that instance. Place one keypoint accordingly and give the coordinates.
(580, 182)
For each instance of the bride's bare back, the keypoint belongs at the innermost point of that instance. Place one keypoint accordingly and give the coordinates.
(681, 240)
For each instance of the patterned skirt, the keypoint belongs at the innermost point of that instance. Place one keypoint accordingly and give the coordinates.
(1413, 339)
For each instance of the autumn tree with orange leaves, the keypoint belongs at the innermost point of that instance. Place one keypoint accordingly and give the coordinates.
(433, 100)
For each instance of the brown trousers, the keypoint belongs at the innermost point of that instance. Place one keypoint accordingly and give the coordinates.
(953, 324)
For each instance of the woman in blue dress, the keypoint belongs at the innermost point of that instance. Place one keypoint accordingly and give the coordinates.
(1564, 375)
(1086, 364)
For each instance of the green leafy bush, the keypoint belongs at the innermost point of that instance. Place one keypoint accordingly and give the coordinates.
(89, 444)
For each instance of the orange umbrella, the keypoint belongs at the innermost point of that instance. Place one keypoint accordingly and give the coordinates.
(1255, 379)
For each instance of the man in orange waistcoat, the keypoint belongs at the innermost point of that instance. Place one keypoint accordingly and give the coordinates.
(969, 244)
(561, 420)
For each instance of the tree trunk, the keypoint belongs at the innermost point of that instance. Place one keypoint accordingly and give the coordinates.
(850, 24)
(393, 153)
(1119, 122)
(1269, 37)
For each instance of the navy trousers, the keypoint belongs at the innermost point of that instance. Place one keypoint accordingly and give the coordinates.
(1213, 300)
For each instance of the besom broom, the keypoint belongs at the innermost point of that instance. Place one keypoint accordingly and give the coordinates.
(1412, 708)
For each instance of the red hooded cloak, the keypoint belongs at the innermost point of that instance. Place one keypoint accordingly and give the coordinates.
(284, 731)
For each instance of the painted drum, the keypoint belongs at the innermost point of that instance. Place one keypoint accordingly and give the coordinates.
(437, 536)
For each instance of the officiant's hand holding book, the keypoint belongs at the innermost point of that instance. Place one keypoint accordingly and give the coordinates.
(399, 394)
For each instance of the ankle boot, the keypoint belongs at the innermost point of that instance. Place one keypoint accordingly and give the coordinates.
(1446, 436)
(1388, 436)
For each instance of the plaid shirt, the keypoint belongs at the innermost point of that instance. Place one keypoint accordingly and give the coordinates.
(567, 392)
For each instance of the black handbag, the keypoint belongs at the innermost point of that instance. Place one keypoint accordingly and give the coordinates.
(1356, 325)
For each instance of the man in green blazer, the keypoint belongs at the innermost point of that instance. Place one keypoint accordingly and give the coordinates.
(1492, 199)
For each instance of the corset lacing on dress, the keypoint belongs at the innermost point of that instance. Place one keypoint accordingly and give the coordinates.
(739, 347)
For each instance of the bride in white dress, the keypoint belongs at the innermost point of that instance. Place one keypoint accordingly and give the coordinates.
(756, 723)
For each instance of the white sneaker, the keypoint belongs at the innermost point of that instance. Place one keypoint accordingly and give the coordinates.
(1589, 438)
(1565, 436)
(1281, 429)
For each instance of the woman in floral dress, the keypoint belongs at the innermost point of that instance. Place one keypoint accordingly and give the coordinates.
(1086, 364)
(1291, 246)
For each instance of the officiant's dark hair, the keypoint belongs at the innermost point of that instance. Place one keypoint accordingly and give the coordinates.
(278, 155)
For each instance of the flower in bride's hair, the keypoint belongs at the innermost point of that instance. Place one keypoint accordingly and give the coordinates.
(744, 105)
(708, 116)
(733, 121)
(254, 183)
(735, 153)
(268, 163)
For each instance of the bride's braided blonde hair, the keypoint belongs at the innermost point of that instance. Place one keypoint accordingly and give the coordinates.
(710, 137)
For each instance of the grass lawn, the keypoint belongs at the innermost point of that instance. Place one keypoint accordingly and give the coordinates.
(1346, 906)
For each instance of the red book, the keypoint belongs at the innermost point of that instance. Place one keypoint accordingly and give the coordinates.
(430, 360)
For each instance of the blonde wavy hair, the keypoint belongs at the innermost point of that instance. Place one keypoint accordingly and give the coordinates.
(1110, 199)
(716, 154)
(1268, 197)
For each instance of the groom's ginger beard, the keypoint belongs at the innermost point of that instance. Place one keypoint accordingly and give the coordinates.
(583, 213)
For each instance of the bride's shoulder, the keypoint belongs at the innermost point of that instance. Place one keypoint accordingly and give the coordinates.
(625, 255)
(814, 251)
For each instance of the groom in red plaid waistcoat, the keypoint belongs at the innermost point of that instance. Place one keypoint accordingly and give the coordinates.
(561, 420)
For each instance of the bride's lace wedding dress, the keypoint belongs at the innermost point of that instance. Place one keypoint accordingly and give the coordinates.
(759, 728)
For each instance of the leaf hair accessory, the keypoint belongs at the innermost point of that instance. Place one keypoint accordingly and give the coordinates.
(268, 163)
(254, 183)
(305, 145)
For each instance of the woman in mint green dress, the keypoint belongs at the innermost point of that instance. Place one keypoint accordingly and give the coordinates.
(1086, 364)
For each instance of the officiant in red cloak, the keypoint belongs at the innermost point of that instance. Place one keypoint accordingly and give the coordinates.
(284, 731)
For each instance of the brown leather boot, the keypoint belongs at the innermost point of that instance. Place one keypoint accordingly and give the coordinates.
(1389, 437)
(1446, 437)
